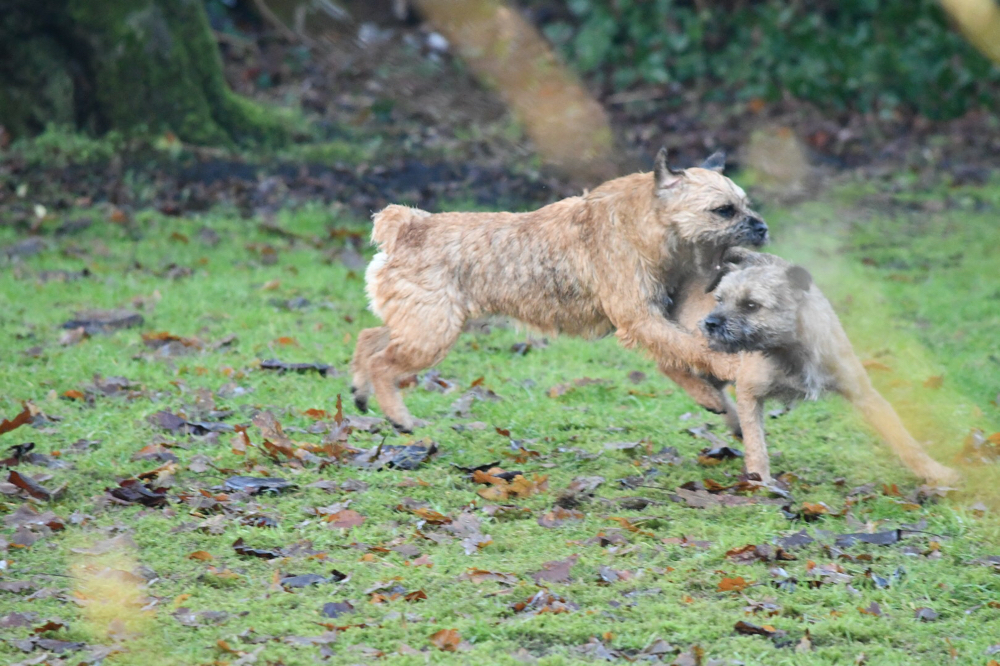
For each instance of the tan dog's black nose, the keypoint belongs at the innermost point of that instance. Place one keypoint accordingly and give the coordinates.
(758, 230)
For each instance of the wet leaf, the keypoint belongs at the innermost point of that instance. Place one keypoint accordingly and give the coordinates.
(15, 620)
(302, 580)
(154, 452)
(94, 322)
(133, 491)
(178, 424)
(559, 516)
(245, 551)
(481, 576)
(21, 419)
(872, 609)
(517, 488)
(797, 540)
(748, 629)
(428, 515)
(335, 609)
(886, 538)
(447, 640)
(189, 618)
(433, 381)
(254, 485)
(555, 571)
(392, 456)
(29, 485)
(580, 490)
(301, 368)
(925, 614)
(751, 553)
(544, 601)
(737, 584)
(344, 519)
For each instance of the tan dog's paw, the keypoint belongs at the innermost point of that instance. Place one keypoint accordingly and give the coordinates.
(407, 427)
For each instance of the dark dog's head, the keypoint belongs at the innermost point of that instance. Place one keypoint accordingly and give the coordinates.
(704, 206)
(757, 306)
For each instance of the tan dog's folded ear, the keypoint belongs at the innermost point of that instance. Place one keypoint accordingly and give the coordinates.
(715, 162)
(731, 260)
(736, 256)
(665, 176)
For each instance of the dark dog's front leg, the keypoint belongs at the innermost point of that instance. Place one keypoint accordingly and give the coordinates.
(751, 412)
(751, 389)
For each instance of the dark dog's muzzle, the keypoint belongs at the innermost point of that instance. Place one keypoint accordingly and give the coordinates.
(712, 325)
(716, 328)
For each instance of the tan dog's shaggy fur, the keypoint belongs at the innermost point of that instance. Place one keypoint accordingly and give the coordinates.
(606, 261)
(789, 344)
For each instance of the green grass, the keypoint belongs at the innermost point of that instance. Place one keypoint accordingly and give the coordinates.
(895, 278)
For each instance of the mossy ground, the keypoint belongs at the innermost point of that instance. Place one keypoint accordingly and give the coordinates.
(917, 288)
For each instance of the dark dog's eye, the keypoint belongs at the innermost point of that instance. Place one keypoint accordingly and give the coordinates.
(727, 211)
(751, 305)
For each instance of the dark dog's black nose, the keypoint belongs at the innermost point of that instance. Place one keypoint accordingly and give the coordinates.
(712, 323)
(758, 229)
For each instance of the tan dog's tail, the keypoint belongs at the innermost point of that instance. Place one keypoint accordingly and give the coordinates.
(389, 221)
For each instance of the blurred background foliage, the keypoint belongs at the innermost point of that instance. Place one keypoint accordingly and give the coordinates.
(846, 55)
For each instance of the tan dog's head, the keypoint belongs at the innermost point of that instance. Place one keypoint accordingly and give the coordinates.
(757, 305)
(704, 207)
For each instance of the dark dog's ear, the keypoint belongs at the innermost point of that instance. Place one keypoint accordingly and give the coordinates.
(715, 162)
(799, 277)
(666, 177)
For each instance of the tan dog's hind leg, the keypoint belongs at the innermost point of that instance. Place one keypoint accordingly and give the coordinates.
(409, 350)
(370, 342)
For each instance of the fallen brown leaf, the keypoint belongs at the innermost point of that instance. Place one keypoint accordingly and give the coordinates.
(16, 422)
(737, 584)
(447, 640)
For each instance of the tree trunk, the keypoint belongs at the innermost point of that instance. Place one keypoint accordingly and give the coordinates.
(125, 65)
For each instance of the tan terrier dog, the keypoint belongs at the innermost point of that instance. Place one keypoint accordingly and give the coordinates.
(788, 343)
(610, 260)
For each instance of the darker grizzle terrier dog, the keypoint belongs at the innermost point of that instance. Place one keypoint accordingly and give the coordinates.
(770, 321)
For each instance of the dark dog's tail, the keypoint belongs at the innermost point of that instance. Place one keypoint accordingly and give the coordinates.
(389, 221)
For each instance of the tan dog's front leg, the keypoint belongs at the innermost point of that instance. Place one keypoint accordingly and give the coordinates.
(673, 347)
(711, 395)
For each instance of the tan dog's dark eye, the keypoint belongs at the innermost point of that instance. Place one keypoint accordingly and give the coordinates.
(727, 211)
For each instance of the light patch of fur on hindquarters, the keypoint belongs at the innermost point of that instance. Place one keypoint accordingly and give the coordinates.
(386, 228)
(583, 266)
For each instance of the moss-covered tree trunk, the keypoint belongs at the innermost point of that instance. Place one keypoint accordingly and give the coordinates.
(127, 65)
